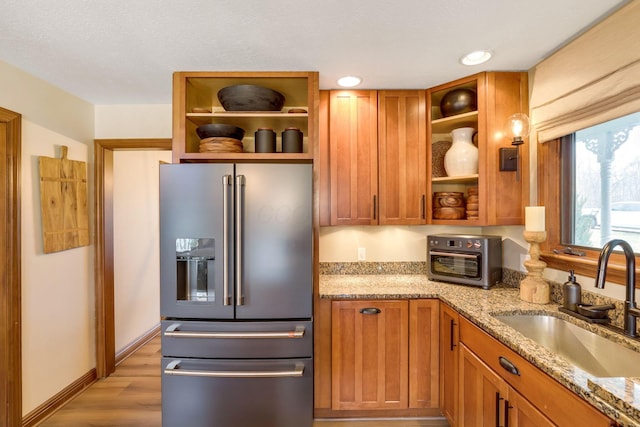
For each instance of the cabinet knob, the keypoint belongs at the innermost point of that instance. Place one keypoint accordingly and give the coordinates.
(370, 310)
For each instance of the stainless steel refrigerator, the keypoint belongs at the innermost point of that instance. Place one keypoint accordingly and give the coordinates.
(236, 267)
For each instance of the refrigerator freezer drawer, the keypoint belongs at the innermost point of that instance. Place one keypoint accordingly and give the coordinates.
(217, 339)
(230, 393)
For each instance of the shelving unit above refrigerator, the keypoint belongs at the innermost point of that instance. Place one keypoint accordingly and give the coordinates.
(195, 103)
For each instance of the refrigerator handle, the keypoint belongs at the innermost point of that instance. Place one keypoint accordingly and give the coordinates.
(173, 368)
(240, 182)
(226, 183)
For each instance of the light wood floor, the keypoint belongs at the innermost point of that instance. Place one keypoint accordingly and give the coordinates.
(130, 397)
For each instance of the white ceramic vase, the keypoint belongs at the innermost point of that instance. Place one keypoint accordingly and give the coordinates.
(462, 158)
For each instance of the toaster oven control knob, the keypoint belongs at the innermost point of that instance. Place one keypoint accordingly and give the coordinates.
(477, 244)
(469, 244)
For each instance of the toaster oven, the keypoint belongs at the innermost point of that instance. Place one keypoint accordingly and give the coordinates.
(465, 259)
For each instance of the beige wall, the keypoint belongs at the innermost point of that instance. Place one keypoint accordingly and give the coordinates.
(58, 332)
(57, 289)
(136, 243)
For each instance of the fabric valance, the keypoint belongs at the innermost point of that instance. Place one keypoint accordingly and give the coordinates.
(593, 79)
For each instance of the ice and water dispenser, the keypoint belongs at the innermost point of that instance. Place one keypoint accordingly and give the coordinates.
(194, 259)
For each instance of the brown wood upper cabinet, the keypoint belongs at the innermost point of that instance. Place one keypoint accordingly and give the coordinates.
(376, 146)
(501, 194)
(353, 157)
(402, 157)
(195, 103)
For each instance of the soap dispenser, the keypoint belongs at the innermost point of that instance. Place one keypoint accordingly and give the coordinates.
(571, 293)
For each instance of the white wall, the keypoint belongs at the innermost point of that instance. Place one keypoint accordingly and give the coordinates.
(136, 243)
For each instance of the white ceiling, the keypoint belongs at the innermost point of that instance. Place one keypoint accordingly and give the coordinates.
(124, 51)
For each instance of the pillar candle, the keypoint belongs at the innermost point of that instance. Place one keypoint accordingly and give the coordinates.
(534, 218)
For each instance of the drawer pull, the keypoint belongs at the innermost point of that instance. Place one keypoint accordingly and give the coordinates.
(370, 310)
(508, 366)
(174, 332)
(498, 399)
(173, 368)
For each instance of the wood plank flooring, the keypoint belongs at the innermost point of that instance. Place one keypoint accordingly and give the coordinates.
(130, 397)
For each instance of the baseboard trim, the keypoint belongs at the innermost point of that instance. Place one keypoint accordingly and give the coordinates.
(58, 400)
(138, 343)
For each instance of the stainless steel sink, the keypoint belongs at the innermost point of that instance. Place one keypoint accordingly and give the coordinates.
(588, 351)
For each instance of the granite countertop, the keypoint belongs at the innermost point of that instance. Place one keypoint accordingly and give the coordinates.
(619, 398)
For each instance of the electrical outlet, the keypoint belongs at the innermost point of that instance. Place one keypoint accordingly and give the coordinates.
(362, 254)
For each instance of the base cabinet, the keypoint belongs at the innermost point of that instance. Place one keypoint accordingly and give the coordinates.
(487, 400)
(384, 355)
(449, 355)
(497, 387)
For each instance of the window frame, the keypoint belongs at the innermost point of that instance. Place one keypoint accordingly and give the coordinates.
(550, 182)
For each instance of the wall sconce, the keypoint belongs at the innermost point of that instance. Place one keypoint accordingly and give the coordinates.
(517, 128)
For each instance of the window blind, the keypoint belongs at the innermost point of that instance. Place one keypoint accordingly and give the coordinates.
(594, 78)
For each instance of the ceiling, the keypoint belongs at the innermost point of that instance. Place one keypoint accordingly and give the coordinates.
(124, 51)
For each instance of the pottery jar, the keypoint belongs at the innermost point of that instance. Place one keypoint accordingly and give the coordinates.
(462, 158)
(292, 140)
(265, 140)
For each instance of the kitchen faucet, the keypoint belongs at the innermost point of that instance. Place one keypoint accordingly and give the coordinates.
(630, 309)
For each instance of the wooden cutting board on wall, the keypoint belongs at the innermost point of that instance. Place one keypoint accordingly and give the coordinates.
(63, 200)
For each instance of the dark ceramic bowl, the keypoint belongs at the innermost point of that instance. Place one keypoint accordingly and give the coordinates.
(594, 311)
(219, 129)
(458, 101)
(250, 98)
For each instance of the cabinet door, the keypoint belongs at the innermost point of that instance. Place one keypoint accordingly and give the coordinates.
(369, 354)
(524, 414)
(402, 147)
(423, 353)
(449, 351)
(482, 392)
(353, 157)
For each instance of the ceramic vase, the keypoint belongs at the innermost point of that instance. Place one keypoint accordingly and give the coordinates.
(462, 158)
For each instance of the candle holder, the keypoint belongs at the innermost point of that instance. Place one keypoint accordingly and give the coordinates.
(534, 288)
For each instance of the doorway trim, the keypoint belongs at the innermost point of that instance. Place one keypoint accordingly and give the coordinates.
(103, 226)
(10, 276)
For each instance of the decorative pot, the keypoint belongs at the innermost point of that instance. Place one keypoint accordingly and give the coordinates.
(462, 158)
(458, 101)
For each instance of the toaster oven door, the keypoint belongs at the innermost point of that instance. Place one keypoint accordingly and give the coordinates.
(455, 264)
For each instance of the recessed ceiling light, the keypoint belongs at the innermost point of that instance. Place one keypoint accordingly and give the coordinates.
(476, 57)
(349, 81)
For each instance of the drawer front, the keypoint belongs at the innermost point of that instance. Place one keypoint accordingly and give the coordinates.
(557, 402)
(210, 339)
(237, 393)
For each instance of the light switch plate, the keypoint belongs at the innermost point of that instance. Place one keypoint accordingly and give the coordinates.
(508, 159)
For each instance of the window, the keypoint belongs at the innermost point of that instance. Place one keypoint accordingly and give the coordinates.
(590, 182)
(603, 173)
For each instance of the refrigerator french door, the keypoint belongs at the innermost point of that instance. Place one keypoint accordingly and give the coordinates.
(236, 294)
(236, 241)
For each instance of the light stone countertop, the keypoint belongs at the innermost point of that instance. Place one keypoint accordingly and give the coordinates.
(619, 398)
